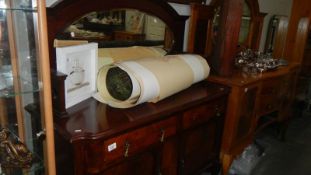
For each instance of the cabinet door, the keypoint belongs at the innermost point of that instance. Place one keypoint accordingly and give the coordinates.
(201, 146)
(169, 156)
(287, 95)
(25, 92)
(141, 164)
(270, 94)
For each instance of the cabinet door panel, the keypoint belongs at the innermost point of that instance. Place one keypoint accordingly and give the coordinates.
(203, 113)
(201, 145)
(139, 165)
(169, 160)
(270, 95)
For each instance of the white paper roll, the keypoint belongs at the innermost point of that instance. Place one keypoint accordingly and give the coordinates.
(154, 79)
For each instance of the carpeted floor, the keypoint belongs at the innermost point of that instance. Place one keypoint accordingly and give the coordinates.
(289, 157)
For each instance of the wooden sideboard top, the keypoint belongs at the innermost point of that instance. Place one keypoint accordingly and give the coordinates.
(240, 79)
(91, 119)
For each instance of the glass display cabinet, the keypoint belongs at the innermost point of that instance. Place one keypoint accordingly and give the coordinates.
(26, 140)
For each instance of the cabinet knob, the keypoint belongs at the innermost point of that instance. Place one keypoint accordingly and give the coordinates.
(162, 135)
(269, 106)
(127, 147)
(218, 113)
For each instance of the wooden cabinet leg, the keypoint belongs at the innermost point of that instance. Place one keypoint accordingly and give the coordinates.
(226, 162)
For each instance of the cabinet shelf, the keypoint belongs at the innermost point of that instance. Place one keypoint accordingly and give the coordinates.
(7, 88)
(25, 9)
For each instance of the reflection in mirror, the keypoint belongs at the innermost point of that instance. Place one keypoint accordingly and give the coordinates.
(245, 24)
(276, 36)
(216, 22)
(120, 28)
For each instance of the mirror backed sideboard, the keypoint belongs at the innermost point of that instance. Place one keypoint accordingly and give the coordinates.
(178, 135)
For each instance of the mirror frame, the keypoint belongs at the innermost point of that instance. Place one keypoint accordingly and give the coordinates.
(66, 12)
(256, 24)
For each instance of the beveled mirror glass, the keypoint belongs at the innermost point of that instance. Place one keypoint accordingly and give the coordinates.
(120, 28)
(245, 24)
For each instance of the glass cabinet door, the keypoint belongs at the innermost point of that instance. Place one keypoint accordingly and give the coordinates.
(26, 126)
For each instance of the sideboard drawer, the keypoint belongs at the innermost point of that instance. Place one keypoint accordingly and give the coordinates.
(99, 154)
(203, 113)
(271, 86)
(267, 104)
(269, 96)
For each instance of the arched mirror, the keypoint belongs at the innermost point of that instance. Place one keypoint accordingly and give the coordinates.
(251, 25)
(245, 24)
(120, 28)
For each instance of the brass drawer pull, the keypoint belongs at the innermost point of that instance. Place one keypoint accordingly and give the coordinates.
(127, 147)
(218, 114)
(162, 135)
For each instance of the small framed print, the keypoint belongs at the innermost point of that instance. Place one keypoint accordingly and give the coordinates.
(79, 63)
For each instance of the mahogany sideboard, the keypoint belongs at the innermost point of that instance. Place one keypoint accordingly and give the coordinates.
(178, 135)
(251, 98)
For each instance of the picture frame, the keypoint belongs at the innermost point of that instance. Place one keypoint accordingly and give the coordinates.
(79, 63)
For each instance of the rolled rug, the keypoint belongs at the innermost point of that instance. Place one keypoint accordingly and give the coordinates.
(132, 82)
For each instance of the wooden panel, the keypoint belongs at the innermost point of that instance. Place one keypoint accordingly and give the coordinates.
(139, 165)
(280, 38)
(269, 95)
(169, 154)
(227, 41)
(100, 153)
(300, 9)
(306, 62)
(202, 145)
(186, 1)
(203, 113)
(128, 36)
(300, 40)
(200, 38)
(287, 96)
(246, 112)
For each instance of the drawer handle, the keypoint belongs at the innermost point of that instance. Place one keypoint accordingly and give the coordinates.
(218, 113)
(269, 106)
(127, 147)
(162, 135)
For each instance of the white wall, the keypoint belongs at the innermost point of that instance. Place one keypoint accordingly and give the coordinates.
(50, 3)
(272, 7)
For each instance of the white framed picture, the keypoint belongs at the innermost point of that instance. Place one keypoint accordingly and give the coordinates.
(79, 63)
